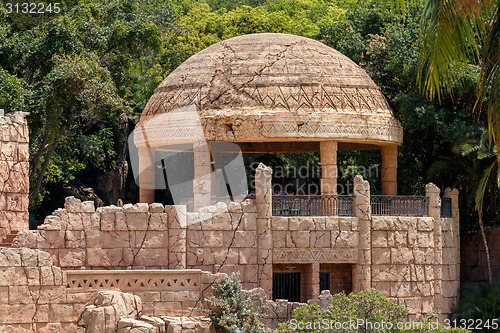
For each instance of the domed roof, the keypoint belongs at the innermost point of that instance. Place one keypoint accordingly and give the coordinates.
(277, 87)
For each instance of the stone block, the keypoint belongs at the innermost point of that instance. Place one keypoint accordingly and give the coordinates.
(425, 224)
(245, 239)
(379, 239)
(158, 221)
(279, 223)
(279, 239)
(320, 239)
(306, 223)
(74, 239)
(248, 256)
(381, 256)
(402, 256)
(345, 224)
(120, 222)
(107, 221)
(297, 239)
(152, 239)
(401, 289)
(72, 257)
(345, 239)
(73, 205)
(118, 239)
(383, 222)
(151, 257)
(137, 221)
(156, 208)
(249, 221)
(94, 238)
(88, 207)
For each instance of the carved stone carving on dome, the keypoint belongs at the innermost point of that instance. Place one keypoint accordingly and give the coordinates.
(362, 100)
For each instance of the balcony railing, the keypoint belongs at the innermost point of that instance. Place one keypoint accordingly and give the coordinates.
(400, 205)
(446, 207)
(313, 205)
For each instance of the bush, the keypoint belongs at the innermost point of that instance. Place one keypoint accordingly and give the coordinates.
(367, 311)
(230, 308)
(480, 304)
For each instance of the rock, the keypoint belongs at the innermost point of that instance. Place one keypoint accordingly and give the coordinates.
(128, 325)
(107, 309)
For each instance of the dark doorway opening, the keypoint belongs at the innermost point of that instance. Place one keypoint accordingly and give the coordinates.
(324, 281)
(286, 286)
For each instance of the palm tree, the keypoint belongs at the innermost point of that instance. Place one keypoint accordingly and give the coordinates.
(489, 181)
(482, 176)
(454, 34)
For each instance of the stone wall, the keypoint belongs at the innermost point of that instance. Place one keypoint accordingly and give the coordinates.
(32, 295)
(14, 174)
(78, 236)
(36, 296)
(413, 260)
(474, 268)
(224, 239)
(402, 261)
(142, 236)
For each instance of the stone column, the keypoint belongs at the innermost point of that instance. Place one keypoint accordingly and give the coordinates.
(389, 170)
(177, 235)
(263, 197)
(432, 192)
(328, 160)
(362, 278)
(453, 194)
(315, 281)
(454, 256)
(202, 175)
(216, 174)
(146, 175)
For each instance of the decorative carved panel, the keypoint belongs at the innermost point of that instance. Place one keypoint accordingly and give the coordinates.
(135, 280)
(298, 256)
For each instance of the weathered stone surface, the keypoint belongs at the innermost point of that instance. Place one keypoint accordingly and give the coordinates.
(106, 310)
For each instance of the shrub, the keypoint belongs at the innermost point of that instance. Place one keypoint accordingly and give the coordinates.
(230, 308)
(480, 304)
(367, 311)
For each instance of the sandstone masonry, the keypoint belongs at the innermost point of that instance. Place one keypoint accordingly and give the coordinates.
(14, 169)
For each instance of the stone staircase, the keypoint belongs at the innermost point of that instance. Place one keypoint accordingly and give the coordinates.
(7, 241)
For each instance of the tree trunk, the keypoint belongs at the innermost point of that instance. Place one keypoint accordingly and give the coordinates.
(485, 241)
(36, 158)
(45, 164)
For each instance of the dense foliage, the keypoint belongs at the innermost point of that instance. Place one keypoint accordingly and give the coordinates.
(86, 73)
(366, 311)
(481, 303)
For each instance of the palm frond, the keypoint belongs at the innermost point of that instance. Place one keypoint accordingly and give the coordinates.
(400, 6)
(490, 74)
(481, 188)
(450, 32)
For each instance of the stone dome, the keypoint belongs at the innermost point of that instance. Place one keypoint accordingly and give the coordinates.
(273, 87)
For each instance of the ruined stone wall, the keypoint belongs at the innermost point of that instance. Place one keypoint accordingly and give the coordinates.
(36, 296)
(14, 174)
(142, 236)
(79, 236)
(224, 239)
(32, 295)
